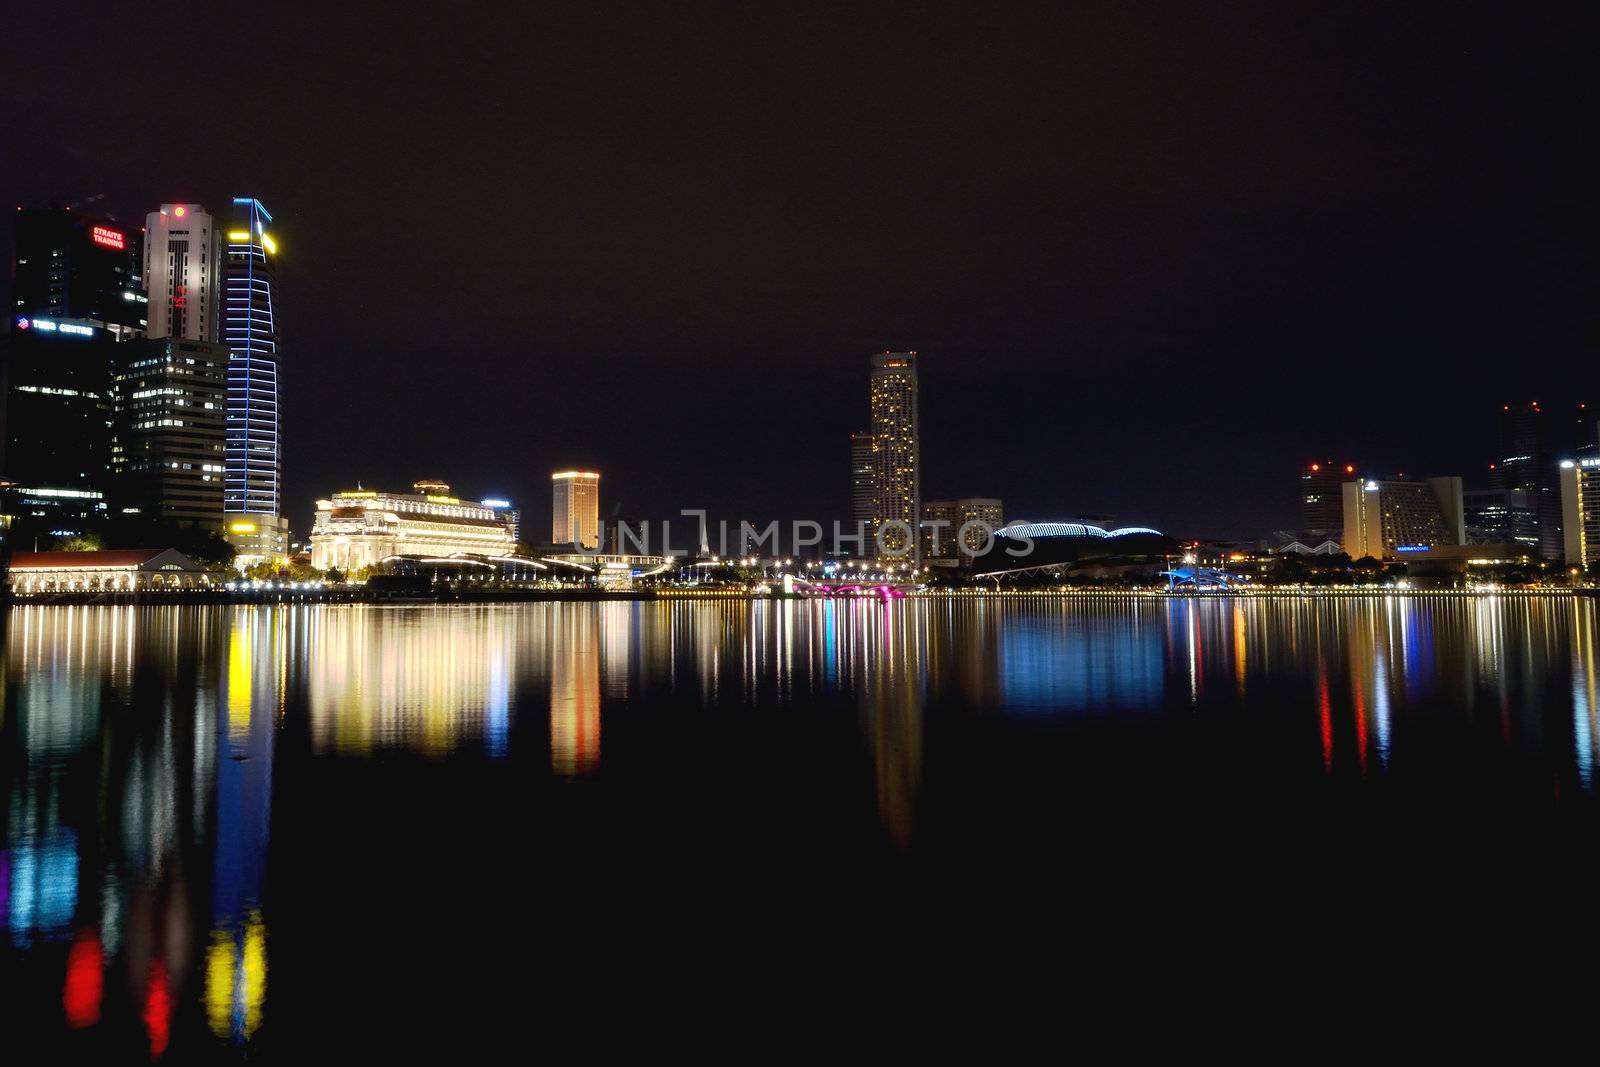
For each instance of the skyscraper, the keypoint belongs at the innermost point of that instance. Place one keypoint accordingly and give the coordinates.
(72, 265)
(56, 444)
(1322, 494)
(182, 272)
(251, 497)
(168, 403)
(896, 453)
(575, 508)
(1580, 504)
(76, 291)
(506, 513)
(863, 481)
(1533, 442)
(1519, 470)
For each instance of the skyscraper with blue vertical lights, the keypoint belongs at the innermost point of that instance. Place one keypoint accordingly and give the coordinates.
(251, 502)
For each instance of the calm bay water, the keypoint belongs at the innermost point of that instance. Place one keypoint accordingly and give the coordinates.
(256, 830)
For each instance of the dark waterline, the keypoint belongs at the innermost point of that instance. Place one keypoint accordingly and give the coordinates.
(255, 830)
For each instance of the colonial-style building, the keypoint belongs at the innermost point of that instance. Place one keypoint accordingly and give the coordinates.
(360, 527)
(124, 570)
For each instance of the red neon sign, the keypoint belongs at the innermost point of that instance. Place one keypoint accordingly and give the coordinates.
(110, 238)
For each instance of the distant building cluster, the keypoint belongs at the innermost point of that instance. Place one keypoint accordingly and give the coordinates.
(141, 376)
(1536, 502)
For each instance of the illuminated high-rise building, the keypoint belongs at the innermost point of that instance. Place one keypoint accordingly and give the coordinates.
(182, 273)
(76, 291)
(56, 442)
(1533, 443)
(575, 508)
(863, 481)
(72, 265)
(1580, 506)
(168, 401)
(251, 496)
(506, 513)
(896, 453)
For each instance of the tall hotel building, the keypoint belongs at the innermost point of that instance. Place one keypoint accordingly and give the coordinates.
(575, 508)
(1386, 519)
(896, 453)
(182, 272)
(251, 500)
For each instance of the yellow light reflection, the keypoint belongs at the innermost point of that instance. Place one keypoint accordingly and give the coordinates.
(236, 979)
(219, 983)
(575, 693)
(427, 680)
(239, 680)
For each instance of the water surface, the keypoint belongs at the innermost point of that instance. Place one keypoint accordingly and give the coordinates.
(260, 830)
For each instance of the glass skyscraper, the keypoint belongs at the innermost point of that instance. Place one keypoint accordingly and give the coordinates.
(251, 502)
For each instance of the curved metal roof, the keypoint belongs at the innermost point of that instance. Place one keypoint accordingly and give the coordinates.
(1070, 529)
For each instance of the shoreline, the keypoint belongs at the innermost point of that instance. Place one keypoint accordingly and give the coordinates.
(540, 596)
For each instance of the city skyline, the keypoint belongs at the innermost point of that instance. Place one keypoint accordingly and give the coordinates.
(1211, 234)
(516, 508)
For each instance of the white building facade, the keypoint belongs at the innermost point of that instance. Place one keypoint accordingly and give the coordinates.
(182, 273)
(360, 528)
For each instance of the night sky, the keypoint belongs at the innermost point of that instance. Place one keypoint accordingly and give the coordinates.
(1153, 255)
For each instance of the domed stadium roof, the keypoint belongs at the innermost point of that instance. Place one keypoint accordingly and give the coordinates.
(1070, 529)
(1027, 546)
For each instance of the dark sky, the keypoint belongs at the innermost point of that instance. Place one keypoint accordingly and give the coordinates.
(1153, 254)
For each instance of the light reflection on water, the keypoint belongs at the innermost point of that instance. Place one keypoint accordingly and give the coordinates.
(144, 748)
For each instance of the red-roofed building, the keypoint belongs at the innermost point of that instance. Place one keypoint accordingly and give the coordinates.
(114, 570)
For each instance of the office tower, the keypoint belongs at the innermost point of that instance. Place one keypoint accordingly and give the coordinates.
(1322, 494)
(1520, 469)
(959, 530)
(168, 429)
(77, 266)
(182, 273)
(1498, 516)
(55, 438)
(896, 453)
(1580, 507)
(251, 497)
(575, 508)
(863, 481)
(1385, 519)
(505, 513)
(1533, 443)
